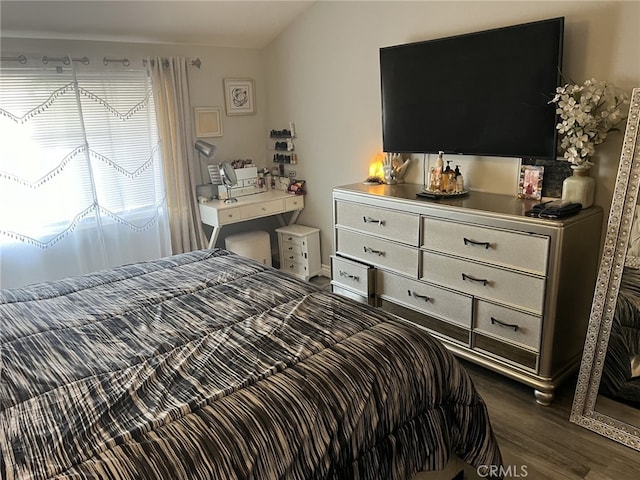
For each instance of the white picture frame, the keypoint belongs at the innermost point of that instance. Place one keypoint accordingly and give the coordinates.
(208, 121)
(239, 96)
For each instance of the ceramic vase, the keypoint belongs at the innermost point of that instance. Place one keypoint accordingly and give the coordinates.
(579, 187)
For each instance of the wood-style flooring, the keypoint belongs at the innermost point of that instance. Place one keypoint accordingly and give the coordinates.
(542, 440)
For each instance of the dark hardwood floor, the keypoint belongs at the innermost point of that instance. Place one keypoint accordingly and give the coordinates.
(540, 443)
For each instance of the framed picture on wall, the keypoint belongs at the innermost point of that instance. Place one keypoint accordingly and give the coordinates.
(530, 182)
(208, 121)
(239, 96)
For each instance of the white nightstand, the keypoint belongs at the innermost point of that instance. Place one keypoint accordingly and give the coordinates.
(299, 250)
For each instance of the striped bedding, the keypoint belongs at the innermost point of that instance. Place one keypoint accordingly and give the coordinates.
(208, 365)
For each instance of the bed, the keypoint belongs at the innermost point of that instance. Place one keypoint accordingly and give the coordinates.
(208, 365)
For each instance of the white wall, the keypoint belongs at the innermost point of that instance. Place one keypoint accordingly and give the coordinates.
(322, 73)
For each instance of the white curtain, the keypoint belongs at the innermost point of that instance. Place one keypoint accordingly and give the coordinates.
(81, 175)
(171, 94)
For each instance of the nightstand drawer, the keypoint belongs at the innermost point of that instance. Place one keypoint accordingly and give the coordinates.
(352, 275)
(506, 286)
(439, 302)
(294, 267)
(507, 324)
(501, 247)
(367, 249)
(390, 224)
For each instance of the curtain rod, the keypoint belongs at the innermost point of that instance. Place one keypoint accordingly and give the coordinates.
(84, 60)
(195, 62)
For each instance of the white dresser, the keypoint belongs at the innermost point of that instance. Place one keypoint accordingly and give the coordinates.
(501, 289)
(299, 248)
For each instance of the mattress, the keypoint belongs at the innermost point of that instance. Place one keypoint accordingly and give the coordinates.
(208, 365)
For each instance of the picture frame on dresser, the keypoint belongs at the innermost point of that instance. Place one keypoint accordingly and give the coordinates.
(530, 182)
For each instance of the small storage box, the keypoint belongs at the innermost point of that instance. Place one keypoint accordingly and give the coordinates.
(255, 245)
(299, 250)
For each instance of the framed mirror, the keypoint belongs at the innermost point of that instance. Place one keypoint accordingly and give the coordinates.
(607, 397)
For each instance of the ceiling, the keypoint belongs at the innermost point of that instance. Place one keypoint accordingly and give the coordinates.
(237, 23)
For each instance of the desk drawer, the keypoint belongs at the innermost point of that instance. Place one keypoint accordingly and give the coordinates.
(484, 281)
(379, 252)
(508, 248)
(295, 202)
(391, 224)
(439, 302)
(262, 209)
(229, 215)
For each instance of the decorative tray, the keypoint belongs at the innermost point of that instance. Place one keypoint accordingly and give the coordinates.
(435, 194)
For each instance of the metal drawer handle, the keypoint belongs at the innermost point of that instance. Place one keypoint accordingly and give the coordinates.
(417, 295)
(472, 279)
(373, 220)
(348, 275)
(467, 241)
(380, 253)
(506, 325)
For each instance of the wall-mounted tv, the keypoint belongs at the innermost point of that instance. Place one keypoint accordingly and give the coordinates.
(484, 93)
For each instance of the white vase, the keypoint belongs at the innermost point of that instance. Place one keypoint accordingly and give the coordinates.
(579, 187)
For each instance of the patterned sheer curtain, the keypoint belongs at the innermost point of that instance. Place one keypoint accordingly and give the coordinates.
(81, 175)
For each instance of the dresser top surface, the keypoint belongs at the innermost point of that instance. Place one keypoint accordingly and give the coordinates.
(481, 202)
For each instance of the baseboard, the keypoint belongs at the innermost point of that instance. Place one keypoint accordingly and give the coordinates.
(326, 270)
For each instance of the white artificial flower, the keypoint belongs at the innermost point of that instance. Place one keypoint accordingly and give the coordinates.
(588, 113)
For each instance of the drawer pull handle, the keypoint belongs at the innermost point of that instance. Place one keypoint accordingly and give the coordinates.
(467, 241)
(506, 325)
(473, 279)
(417, 295)
(373, 220)
(380, 253)
(355, 278)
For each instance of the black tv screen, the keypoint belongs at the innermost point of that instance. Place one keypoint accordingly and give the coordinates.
(484, 93)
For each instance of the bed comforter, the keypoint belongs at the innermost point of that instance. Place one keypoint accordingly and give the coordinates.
(208, 365)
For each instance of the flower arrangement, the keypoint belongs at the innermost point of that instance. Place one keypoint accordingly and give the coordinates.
(588, 113)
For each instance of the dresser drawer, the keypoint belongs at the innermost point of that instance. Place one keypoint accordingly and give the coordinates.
(262, 209)
(508, 248)
(377, 251)
(507, 324)
(352, 275)
(390, 224)
(438, 302)
(292, 248)
(492, 283)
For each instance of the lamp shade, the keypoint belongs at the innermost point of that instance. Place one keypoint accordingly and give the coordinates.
(206, 149)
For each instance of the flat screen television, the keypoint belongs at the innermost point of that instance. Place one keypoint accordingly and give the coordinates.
(485, 93)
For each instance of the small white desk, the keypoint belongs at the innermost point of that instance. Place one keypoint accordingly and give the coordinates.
(216, 213)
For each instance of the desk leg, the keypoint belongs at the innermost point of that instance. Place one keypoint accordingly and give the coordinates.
(214, 237)
(294, 217)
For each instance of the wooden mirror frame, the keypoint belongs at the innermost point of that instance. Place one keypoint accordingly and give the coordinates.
(619, 225)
